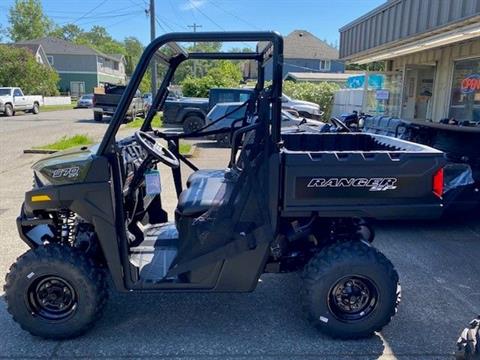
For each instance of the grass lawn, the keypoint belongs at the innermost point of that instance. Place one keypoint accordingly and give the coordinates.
(185, 148)
(157, 122)
(67, 142)
(47, 108)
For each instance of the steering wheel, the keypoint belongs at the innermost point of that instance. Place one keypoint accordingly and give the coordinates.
(340, 125)
(159, 152)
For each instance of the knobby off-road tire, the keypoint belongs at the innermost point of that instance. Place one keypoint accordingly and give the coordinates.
(350, 290)
(55, 292)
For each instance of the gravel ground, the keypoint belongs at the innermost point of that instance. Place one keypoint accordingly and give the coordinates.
(438, 263)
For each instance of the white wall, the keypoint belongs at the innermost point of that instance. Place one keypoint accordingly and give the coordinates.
(346, 101)
(57, 100)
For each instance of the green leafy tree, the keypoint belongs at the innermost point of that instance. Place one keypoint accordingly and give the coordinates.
(27, 20)
(99, 38)
(69, 32)
(224, 74)
(20, 68)
(319, 93)
(133, 51)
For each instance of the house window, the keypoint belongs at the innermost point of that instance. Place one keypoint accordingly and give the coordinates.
(50, 59)
(101, 61)
(115, 65)
(324, 65)
(465, 97)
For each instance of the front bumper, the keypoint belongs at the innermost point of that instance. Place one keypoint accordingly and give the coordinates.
(26, 222)
(2, 107)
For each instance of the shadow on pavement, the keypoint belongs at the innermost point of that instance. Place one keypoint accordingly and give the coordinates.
(266, 323)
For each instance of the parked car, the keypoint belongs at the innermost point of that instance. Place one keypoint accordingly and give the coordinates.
(232, 111)
(85, 101)
(12, 99)
(106, 103)
(303, 108)
(191, 112)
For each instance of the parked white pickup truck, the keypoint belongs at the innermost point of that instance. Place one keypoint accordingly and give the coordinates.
(12, 99)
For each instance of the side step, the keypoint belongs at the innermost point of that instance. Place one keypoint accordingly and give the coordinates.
(156, 253)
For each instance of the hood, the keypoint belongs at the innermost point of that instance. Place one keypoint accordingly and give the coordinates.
(305, 103)
(64, 167)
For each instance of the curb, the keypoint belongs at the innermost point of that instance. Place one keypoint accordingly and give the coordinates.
(39, 151)
(190, 154)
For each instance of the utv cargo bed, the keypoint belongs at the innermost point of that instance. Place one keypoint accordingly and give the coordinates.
(360, 175)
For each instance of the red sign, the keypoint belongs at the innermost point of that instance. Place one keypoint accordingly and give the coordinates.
(471, 84)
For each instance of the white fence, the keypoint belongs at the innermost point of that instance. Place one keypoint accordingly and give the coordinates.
(346, 101)
(57, 100)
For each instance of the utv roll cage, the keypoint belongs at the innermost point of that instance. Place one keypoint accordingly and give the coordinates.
(269, 49)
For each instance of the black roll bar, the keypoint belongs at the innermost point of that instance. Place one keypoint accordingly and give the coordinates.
(107, 144)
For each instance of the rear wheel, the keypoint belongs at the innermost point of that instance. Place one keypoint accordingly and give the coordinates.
(9, 110)
(193, 123)
(36, 108)
(98, 117)
(55, 292)
(223, 139)
(350, 290)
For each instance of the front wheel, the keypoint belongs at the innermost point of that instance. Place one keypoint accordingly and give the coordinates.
(9, 110)
(350, 290)
(55, 292)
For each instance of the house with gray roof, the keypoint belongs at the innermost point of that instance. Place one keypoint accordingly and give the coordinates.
(80, 68)
(36, 50)
(305, 53)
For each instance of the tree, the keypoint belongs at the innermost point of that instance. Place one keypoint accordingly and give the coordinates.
(68, 32)
(99, 38)
(224, 74)
(133, 51)
(20, 68)
(27, 21)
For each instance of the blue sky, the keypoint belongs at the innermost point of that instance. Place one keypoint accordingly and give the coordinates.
(127, 17)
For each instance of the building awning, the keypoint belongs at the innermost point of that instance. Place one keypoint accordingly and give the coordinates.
(401, 27)
(317, 76)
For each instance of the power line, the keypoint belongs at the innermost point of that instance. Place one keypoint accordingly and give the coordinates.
(204, 14)
(90, 11)
(195, 26)
(234, 15)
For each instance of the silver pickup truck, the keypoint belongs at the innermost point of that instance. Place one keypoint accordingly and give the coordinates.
(12, 99)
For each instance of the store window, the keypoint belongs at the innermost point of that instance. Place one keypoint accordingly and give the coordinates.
(465, 97)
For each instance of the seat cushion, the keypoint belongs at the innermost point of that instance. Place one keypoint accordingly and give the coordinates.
(201, 194)
(210, 173)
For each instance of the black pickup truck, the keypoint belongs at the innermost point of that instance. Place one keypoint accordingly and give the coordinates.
(191, 112)
(106, 104)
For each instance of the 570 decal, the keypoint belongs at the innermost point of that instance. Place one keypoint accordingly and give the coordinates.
(373, 184)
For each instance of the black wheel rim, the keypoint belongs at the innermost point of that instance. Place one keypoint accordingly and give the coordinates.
(353, 298)
(52, 298)
(193, 125)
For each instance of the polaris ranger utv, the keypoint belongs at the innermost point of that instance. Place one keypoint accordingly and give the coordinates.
(285, 202)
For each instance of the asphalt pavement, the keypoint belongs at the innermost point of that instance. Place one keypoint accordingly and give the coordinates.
(438, 263)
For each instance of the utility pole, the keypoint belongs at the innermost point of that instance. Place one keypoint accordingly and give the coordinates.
(195, 26)
(152, 37)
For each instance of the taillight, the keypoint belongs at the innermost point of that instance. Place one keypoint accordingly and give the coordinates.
(438, 183)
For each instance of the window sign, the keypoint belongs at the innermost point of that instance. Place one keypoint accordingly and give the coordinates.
(382, 94)
(471, 84)
(465, 96)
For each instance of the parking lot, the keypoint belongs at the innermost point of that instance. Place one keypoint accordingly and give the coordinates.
(438, 263)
